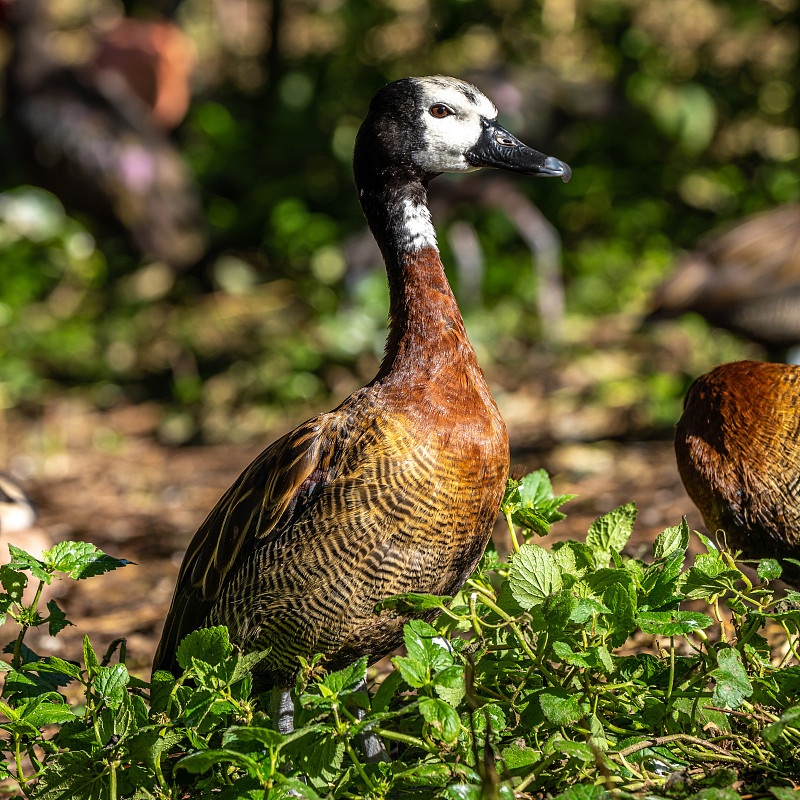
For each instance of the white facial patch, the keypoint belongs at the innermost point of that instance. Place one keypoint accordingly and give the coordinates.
(417, 230)
(448, 139)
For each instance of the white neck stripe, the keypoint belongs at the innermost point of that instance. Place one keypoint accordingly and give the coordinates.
(416, 229)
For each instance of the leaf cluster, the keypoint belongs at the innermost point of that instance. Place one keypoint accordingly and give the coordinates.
(572, 672)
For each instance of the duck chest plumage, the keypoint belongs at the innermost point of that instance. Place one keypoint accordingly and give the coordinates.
(398, 488)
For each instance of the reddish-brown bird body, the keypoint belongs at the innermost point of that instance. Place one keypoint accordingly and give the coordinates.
(738, 451)
(397, 489)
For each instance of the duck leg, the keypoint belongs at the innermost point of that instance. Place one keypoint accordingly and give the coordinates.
(281, 709)
(371, 745)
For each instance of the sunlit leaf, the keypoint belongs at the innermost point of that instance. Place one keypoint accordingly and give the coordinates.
(533, 576)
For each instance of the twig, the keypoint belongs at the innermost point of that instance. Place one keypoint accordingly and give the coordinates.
(656, 741)
(762, 717)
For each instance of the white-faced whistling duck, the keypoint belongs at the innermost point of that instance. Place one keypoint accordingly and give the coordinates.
(398, 488)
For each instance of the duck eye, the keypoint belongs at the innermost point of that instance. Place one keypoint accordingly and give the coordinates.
(440, 111)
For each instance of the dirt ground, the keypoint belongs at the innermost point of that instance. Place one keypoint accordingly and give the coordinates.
(104, 478)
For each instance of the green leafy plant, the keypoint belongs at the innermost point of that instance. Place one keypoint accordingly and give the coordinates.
(573, 672)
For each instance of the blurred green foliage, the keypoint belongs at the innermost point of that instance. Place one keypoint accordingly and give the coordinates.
(674, 116)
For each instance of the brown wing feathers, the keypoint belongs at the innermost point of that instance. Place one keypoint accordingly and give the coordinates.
(265, 496)
(306, 568)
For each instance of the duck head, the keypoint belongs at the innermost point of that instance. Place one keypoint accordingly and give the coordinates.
(421, 127)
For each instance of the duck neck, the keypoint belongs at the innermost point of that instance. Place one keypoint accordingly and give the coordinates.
(426, 331)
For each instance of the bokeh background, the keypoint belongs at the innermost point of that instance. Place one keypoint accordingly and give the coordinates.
(185, 272)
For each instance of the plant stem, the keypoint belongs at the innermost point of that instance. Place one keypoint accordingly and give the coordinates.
(20, 776)
(510, 524)
(112, 781)
(359, 768)
(15, 660)
(473, 614)
(671, 681)
(791, 645)
(405, 739)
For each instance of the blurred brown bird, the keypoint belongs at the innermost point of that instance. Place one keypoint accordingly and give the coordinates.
(154, 59)
(738, 451)
(745, 278)
(398, 488)
(91, 138)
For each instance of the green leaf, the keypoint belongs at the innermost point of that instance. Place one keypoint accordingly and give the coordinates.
(14, 581)
(73, 775)
(699, 584)
(511, 500)
(531, 503)
(291, 787)
(22, 560)
(441, 717)
(557, 611)
(597, 733)
(80, 560)
(573, 558)
(90, 658)
(708, 543)
(534, 488)
(611, 532)
(209, 645)
(673, 623)
(55, 664)
(517, 756)
(661, 580)
(622, 619)
(605, 577)
(565, 654)
(150, 741)
(463, 791)
(489, 715)
(710, 563)
(265, 736)
(672, 540)
(601, 658)
(245, 662)
(204, 760)
(411, 603)
(57, 619)
(533, 520)
(560, 707)
(789, 719)
(783, 792)
(322, 757)
(389, 685)
(585, 609)
(427, 653)
(43, 711)
(768, 570)
(733, 686)
(580, 751)
(449, 684)
(414, 673)
(347, 679)
(424, 775)
(533, 576)
(110, 683)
